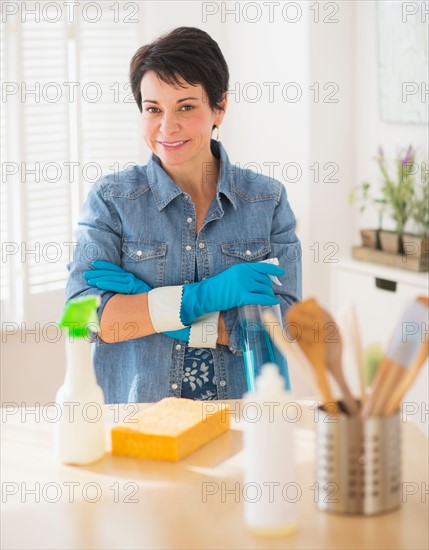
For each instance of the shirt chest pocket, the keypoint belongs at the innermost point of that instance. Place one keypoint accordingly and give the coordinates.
(145, 259)
(252, 250)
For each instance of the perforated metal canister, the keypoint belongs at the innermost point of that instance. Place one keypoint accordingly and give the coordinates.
(358, 463)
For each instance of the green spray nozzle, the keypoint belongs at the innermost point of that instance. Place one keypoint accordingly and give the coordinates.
(80, 316)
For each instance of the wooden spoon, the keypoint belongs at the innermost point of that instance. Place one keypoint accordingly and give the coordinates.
(308, 317)
(334, 349)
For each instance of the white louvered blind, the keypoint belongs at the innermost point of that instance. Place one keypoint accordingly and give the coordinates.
(45, 149)
(114, 118)
(97, 137)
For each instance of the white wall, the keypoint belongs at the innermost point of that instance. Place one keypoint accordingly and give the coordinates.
(369, 130)
(271, 135)
(330, 140)
(280, 132)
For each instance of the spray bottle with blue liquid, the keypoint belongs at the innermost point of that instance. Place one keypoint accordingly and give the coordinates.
(258, 347)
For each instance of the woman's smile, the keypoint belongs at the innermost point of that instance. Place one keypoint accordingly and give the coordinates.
(173, 145)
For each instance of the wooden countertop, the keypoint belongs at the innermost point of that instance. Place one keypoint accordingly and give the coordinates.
(193, 504)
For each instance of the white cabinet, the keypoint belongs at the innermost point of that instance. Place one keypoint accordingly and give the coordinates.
(380, 295)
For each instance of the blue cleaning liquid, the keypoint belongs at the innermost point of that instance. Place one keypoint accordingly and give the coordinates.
(258, 349)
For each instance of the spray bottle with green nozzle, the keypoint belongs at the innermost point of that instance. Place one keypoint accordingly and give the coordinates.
(80, 433)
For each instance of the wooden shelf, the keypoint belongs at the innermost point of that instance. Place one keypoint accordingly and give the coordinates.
(411, 263)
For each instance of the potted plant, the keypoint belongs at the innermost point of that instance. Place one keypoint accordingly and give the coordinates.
(417, 244)
(398, 195)
(362, 194)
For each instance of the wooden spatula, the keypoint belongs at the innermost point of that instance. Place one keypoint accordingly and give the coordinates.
(308, 320)
(334, 349)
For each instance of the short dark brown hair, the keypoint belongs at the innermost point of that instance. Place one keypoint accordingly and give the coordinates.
(185, 53)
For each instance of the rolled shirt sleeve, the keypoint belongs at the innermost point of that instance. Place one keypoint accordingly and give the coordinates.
(97, 237)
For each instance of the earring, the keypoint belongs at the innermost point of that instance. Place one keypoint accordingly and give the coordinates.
(217, 132)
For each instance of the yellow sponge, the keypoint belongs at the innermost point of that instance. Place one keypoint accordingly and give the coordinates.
(171, 429)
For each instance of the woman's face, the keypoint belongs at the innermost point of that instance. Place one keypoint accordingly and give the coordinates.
(177, 122)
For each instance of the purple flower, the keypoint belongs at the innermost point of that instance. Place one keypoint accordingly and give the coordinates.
(409, 156)
(380, 151)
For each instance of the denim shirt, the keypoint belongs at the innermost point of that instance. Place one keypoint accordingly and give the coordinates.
(143, 221)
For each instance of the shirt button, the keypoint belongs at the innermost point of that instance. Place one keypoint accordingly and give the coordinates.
(222, 383)
(139, 253)
(178, 347)
(174, 386)
(189, 220)
(201, 245)
(248, 253)
(189, 247)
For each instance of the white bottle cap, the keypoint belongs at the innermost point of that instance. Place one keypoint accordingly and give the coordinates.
(270, 382)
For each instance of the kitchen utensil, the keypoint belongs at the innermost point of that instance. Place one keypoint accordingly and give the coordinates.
(307, 317)
(289, 349)
(407, 381)
(348, 321)
(333, 350)
(411, 374)
(401, 352)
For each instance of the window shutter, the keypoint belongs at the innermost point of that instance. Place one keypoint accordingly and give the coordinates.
(45, 148)
(110, 126)
(65, 145)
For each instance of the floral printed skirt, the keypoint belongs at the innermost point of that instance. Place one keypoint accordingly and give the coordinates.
(198, 378)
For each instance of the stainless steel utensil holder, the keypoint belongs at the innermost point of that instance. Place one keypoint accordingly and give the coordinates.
(358, 463)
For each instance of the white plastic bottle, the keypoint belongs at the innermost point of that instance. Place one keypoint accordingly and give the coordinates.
(80, 436)
(271, 492)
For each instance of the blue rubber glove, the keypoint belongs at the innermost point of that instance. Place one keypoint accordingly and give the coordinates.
(239, 285)
(109, 276)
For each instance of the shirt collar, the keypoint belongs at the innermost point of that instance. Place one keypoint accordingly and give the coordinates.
(165, 189)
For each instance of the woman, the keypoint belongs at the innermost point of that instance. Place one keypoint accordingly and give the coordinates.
(175, 246)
